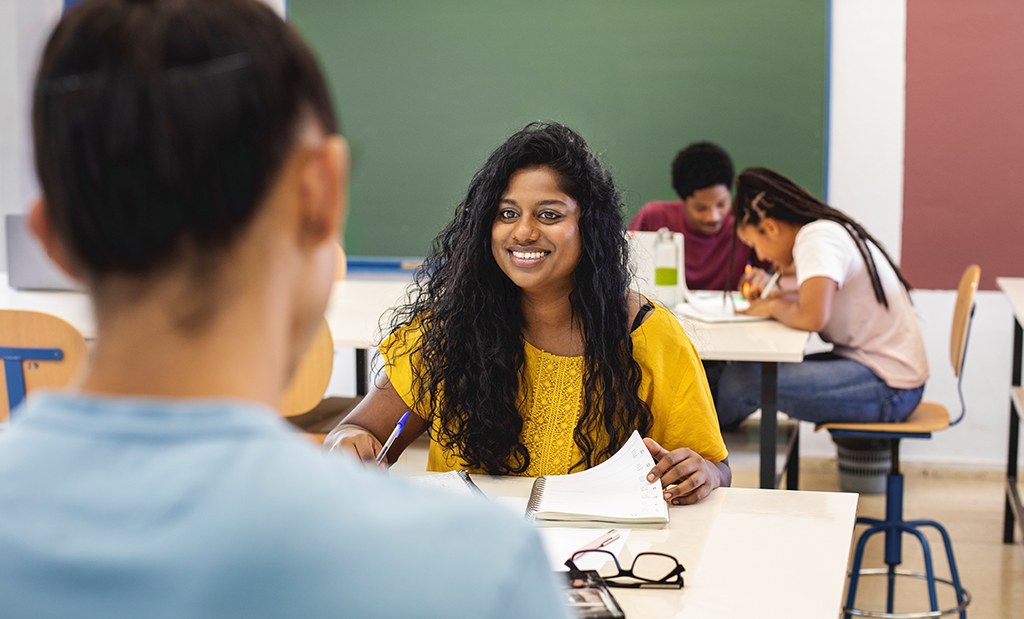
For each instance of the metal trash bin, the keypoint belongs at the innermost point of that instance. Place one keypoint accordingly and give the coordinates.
(863, 466)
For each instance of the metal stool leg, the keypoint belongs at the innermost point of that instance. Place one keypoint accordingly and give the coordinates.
(929, 568)
(954, 574)
(877, 526)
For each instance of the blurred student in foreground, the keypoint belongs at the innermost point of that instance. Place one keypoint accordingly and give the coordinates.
(193, 177)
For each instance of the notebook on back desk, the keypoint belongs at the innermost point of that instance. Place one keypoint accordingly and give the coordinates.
(28, 266)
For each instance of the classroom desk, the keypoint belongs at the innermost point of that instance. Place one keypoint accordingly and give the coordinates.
(770, 343)
(747, 553)
(355, 313)
(1013, 288)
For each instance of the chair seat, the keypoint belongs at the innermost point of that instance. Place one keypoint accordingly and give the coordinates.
(928, 417)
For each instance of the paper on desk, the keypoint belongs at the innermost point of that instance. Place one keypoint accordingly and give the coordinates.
(561, 542)
(713, 307)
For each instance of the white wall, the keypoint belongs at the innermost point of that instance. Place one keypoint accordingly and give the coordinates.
(24, 25)
(866, 146)
(980, 440)
(866, 111)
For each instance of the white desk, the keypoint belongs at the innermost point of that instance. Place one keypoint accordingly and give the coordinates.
(769, 342)
(1013, 510)
(747, 553)
(356, 307)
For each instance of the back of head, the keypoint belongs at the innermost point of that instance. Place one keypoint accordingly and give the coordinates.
(160, 125)
(763, 192)
(701, 165)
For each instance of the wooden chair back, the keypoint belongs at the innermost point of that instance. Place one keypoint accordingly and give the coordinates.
(312, 376)
(22, 330)
(962, 311)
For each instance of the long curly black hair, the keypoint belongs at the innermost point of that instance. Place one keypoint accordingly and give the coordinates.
(469, 362)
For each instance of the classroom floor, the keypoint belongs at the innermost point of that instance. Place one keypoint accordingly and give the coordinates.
(969, 505)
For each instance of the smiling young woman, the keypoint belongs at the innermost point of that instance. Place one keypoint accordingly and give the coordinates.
(525, 352)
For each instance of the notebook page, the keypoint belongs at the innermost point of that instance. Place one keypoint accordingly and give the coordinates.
(712, 306)
(616, 488)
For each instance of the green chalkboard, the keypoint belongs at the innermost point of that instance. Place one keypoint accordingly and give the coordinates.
(426, 89)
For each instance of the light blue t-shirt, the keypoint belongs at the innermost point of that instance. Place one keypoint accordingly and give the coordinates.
(152, 508)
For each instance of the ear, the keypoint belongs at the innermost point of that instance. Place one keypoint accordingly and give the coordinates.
(42, 227)
(771, 227)
(324, 191)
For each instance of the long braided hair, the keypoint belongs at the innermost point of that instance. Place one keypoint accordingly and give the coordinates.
(469, 360)
(763, 193)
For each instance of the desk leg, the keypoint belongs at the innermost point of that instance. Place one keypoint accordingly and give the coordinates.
(793, 461)
(361, 371)
(769, 421)
(1012, 509)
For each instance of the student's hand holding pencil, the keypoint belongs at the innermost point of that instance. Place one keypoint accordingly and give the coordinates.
(753, 282)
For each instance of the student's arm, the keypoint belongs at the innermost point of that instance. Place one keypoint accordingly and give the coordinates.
(810, 311)
(364, 430)
(693, 476)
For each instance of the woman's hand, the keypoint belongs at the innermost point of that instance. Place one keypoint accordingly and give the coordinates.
(691, 477)
(355, 440)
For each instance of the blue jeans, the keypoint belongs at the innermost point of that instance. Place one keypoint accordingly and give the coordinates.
(823, 388)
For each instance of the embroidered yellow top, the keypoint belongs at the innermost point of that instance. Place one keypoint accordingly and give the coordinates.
(673, 384)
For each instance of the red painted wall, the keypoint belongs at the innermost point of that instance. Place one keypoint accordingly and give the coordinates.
(964, 161)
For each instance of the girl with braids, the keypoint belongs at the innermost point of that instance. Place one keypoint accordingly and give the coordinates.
(850, 291)
(524, 352)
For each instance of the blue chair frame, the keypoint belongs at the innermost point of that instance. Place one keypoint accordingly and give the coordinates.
(894, 526)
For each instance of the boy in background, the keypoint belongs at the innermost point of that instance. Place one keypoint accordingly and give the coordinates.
(702, 176)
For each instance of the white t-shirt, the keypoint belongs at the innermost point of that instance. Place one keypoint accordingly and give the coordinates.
(886, 340)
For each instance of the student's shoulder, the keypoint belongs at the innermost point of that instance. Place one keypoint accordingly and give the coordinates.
(822, 229)
(654, 215)
(660, 331)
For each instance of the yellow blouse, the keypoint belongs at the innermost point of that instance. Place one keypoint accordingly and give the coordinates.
(673, 384)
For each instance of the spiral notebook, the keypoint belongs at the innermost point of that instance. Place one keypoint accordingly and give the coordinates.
(613, 492)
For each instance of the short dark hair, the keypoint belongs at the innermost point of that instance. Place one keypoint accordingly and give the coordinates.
(159, 126)
(701, 165)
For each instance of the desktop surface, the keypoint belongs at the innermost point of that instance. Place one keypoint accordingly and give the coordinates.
(747, 553)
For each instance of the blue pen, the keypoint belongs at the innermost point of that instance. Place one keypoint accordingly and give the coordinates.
(394, 434)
